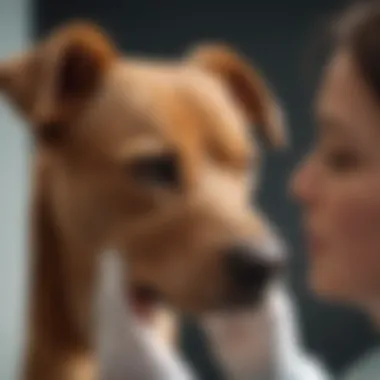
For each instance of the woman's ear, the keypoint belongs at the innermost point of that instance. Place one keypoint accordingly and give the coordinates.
(248, 87)
(50, 82)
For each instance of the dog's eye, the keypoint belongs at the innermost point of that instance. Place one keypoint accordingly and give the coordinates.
(50, 133)
(157, 170)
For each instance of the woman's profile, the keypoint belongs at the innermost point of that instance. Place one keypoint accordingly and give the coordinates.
(338, 183)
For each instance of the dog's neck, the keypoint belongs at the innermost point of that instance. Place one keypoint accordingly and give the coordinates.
(58, 343)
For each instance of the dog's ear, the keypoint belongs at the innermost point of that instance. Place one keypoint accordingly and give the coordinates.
(248, 88)
(49, 83)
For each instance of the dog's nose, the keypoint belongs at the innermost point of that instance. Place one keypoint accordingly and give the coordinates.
(248, 272)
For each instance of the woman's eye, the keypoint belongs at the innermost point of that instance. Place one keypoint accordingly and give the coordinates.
(342, 161)
(157, 170)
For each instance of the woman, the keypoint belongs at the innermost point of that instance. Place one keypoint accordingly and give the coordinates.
(338, 184)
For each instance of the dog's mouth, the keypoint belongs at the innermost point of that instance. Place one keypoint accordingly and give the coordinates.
(143, 300)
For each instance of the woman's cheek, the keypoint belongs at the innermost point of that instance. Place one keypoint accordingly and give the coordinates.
(357, 223)
(357, 217)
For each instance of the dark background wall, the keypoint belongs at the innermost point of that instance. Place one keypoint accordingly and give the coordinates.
(275, 34)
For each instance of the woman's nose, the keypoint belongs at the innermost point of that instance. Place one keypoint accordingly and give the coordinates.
(303, 183)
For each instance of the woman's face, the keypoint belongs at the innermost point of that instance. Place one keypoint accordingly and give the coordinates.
(338, 187)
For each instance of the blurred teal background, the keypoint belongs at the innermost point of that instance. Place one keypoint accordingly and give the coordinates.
(14, 189)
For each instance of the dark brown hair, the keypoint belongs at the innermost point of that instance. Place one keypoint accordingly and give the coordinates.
(358, 30)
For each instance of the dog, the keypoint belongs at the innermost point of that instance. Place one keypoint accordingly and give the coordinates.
(152, 158)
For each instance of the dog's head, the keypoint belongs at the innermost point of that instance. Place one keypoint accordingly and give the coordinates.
(156, 159)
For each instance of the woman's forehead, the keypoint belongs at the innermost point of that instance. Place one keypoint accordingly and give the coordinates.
(340, 85)
(344, 100)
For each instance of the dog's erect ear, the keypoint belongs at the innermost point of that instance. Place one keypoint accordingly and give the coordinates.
(50, 82)
(248, 88)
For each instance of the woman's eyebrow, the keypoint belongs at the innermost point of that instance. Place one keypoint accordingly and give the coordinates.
(328, 123)
(332, 125)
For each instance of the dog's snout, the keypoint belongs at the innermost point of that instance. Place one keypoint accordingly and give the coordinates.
(248, 272)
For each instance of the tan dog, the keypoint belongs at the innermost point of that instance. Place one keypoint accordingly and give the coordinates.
(152, 158)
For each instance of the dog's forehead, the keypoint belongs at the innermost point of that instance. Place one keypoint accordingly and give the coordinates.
(174, 103)
(163, 87)
(147, 105)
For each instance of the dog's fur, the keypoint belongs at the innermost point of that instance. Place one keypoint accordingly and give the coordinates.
(96, 118)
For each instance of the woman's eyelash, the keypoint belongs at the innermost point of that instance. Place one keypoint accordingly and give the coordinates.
(342, 160)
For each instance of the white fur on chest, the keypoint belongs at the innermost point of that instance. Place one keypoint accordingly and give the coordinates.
(127, 348)
(240, 341)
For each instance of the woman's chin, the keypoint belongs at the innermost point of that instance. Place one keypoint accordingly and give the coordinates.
(329, 287)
